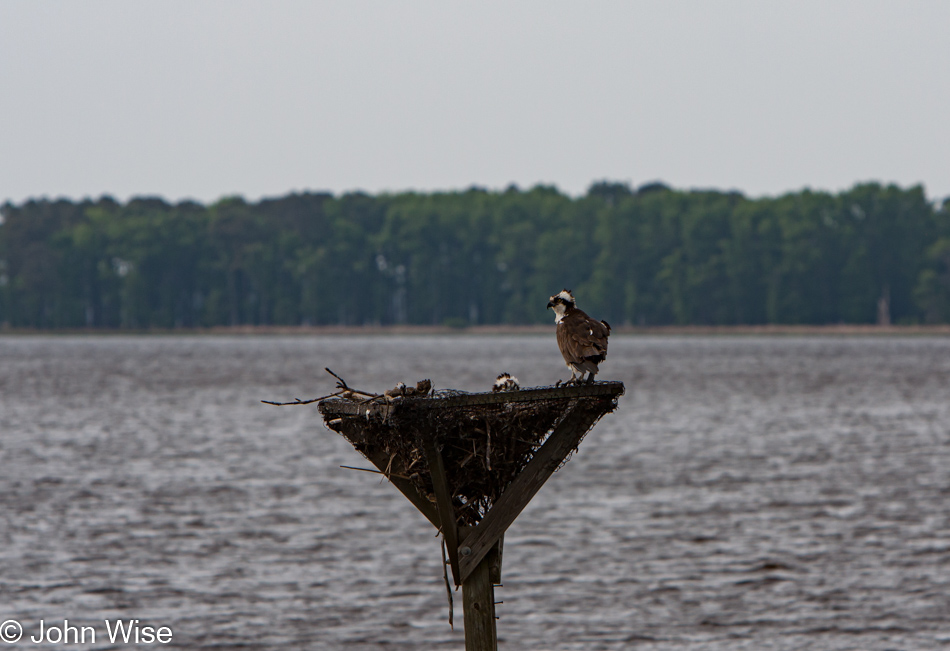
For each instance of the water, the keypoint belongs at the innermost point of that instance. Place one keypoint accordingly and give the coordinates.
(750, 493)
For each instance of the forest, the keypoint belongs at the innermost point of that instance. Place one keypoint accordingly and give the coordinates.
(651, 255)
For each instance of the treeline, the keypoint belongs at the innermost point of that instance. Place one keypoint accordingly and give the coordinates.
(648, 256)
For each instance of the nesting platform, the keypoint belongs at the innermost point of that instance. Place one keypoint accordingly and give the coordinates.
(471, 462)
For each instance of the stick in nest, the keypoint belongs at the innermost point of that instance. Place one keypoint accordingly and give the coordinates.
(344, 390)
(488, 444)
(298, 401)
(341, 384)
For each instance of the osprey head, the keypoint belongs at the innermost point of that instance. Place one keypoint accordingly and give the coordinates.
(506, 382)
(563, 298)
(560, 302)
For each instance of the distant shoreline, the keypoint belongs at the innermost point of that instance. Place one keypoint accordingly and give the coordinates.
(488, 330)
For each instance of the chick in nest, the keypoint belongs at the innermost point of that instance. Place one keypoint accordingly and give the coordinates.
(506, 382)
(396, 392)
(422, 388)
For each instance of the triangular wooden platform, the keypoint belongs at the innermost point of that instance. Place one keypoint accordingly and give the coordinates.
(471, 462)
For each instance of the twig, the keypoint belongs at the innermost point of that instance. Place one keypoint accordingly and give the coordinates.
(341, 384)
(488, 444)
(387, 475)
(298, 401)
(342, 381)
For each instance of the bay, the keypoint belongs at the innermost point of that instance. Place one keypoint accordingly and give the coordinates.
(750, 492)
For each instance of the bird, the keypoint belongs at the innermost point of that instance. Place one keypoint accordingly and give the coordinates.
(582, 340)
(422, 388)
(506, 382)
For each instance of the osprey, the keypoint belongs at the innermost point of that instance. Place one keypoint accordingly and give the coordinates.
(582, 340)
(506, 382)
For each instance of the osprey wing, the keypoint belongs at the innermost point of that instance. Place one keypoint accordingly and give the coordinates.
(585, 337)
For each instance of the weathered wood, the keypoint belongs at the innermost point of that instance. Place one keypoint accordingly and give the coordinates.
(494, 556)
(478, 604)
(494, 560)
(565, 438)
(528, 395)
(405, 487)
(443, 500)
(385, 410)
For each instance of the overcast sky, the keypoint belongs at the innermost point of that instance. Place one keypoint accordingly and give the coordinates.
(201, 99)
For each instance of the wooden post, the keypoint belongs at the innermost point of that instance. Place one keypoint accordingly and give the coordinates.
(478, 603)
(478, 599)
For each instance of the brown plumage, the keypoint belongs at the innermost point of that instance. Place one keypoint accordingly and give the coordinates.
(582, 340)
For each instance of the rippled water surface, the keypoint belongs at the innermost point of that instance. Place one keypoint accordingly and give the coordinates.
(750, 493)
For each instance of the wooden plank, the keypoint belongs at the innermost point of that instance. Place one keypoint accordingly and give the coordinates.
(443, 500)
(565, 438)
(405, 486)
(524, 395)
(494, 560)
(338, 406)
(478, 609)
(494, 557)
(341, 407)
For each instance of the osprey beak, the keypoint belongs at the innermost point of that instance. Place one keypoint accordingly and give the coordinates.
(550, 305)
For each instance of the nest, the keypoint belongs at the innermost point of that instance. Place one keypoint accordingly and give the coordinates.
(485, 439)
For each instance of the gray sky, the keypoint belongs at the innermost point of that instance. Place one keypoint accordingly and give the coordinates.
(201, 99)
